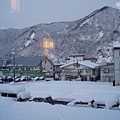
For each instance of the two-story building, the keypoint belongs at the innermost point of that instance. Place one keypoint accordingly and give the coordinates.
(79, 57)
(116, 51)
(107, 72)
(84, 69)
(75, 57)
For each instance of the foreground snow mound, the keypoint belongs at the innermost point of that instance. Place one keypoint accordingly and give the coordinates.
(112, 101)
(24, 95)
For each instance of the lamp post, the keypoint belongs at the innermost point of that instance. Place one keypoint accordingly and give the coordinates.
(78, 68)
(14, 68)
(13, 57)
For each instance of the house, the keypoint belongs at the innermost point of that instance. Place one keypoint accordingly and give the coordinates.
(79, 57)
(58, 70)
(28, 66)
(116, 53)
(75, 57)
(87, 70)
(47, 67)
(107, 72)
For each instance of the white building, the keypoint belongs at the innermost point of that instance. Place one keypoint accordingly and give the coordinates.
(116, 50)
(87, 70)
(79, 57)
(75, 57)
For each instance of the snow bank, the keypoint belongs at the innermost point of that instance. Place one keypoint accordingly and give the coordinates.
(23, 95)
(112, 101)
(11, 89)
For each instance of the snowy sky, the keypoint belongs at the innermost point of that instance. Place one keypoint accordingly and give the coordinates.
(31, 12)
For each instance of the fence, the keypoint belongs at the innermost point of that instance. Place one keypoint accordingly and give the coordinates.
(32, 73)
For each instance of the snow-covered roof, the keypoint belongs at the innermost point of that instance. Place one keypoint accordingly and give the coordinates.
(61, 63)
(68, 64)
(11, 89)
(84, 63)
(88, 64)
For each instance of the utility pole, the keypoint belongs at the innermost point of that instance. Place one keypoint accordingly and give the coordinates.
(13, 57)
(14, 67)
(77, 67)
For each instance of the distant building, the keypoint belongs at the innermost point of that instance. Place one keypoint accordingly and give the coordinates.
(116, 51)
(107, 72)
(24, 64)
(47, 67)
(79, 57)
(75, 57)
(86, 70)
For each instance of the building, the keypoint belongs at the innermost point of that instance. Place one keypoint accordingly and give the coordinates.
(47, 67)
(107, 72)
(79, 57)
(32, 66)
(75, 57)
(116, 52)
(84, 69)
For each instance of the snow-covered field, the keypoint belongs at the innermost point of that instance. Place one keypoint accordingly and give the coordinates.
(82, 91)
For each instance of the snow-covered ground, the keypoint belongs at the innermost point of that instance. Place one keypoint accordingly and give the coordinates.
(84, 91)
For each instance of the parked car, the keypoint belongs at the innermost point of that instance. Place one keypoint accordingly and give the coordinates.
(78, 79)
(41, 78)
(23, 78)
(9, 79)
(36, 78)
(6, 79)
(17, 79)
(48, 79)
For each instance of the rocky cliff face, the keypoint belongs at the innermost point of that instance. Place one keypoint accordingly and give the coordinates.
(94, 35)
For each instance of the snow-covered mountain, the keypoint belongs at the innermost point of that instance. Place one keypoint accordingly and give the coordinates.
(93, 35)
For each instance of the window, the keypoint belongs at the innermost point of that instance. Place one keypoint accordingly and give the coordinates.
(51, 68)
(44, 68)
(81, 71)
(93, 72)
(45, 61)
(106, 70)
(87, 70)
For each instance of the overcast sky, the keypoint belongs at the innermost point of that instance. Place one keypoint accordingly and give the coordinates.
(26, 13)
